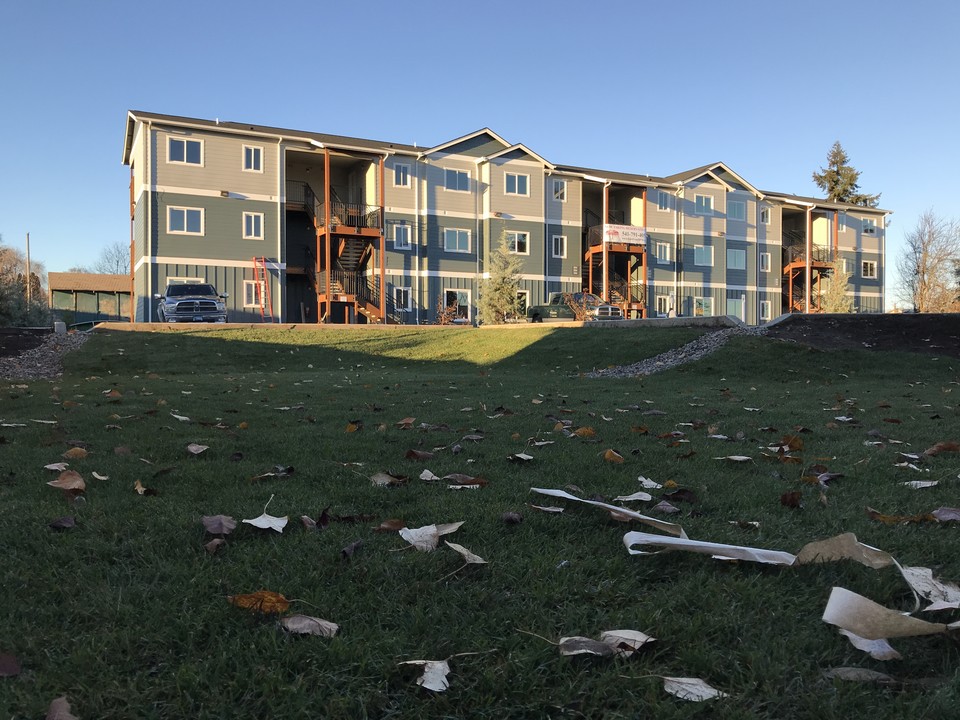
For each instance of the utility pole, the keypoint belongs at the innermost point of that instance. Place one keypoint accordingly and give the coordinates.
(28, 270)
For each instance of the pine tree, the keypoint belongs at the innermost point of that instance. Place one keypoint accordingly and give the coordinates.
(839, 180)
(498, 293)
(834, 298)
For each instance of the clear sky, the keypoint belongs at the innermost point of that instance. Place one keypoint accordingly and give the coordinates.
(644, 87)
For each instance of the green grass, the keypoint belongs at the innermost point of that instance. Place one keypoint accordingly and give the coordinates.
(127, 614)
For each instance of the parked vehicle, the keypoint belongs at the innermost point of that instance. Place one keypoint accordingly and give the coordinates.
(574, 306)
(192, 302)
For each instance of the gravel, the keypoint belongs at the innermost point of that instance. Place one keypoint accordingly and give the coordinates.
(699, 348)
(42, 362)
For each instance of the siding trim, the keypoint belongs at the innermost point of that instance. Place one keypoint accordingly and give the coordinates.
(216, 262)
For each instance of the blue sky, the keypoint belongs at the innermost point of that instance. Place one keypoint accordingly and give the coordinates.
(652, 88)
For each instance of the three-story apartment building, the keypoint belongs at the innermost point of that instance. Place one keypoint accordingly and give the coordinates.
(306, 227)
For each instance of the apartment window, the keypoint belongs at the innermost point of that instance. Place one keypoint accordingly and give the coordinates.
(703, 255)
(518, 243)
(663, 200)
(185, 221)
(252, 226)
(559, 246)
(456, 180)
(523, 302)
(764, 215)
(185, 152)
(703, 307)
(456, 240)
(765, 309)
(663, 253)
(401, 299)
(845, 264)
(401, 236)
(869, 226)
(460, 299)
(560, 190)
(736, 259)
(764, 262)
(735, 307)
(252, 158)
(703, 205)
(736, 210)
(517, 184)
(868, 269)
(842, 220)
(253, 290)
(663, 305)
(401, 175)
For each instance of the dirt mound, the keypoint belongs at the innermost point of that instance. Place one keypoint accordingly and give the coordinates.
(930, 334)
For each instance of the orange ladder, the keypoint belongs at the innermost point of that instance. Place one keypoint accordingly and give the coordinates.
(262, 289)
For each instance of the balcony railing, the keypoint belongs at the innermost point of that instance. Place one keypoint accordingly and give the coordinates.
(798, 254)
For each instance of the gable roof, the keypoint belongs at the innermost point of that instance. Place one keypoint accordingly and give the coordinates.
(823, 203)
(524, 149)
(88, 282)
(456, 141)
(715, 170)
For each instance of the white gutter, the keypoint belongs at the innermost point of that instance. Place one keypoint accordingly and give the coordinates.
(281, 218)
(416, 205)
(677, 249)
(148, 230)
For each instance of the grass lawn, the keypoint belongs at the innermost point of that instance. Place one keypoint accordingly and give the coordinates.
(127, 614)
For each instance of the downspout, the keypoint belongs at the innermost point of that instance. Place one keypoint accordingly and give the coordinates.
(808, 273)
(383, 250)
(281, 218)
(883, 264)
(148, 234)
(133, 206)
(643, 258)
(677, 250)
(603, 239)
(326, 225)
(475, 299)
(547, 241)
(417, 230)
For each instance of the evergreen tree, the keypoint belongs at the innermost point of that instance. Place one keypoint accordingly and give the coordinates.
(498, 293)
(839, 180)
(834, 298)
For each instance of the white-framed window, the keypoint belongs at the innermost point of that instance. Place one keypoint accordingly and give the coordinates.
(869, 226)
(560, 190)
(663, 200)
(184, 221)
(868, 269)
(735, 307)
(559, 246)
(401, 175)
(663, 253)
(253, 290)
(765, 215)
(764, 262)
(736, 210)
(456, 180)
(402, 298)
(703, 307)
(842, 220)
(182, 151)
(736, 259)
(456, 240)
(460, 298)
(401, 236)
(518, 243)
(765, 309)
(516, 184)
(703, 255)
(252, 158)
(703, 204)
(663, 305)
(252, 226)
(846, 265)
(175, 280)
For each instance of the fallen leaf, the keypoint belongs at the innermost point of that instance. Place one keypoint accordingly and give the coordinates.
(141, 490)
(942, 447)
(461, 479)
(70, 481)
(899, 519)
(9, 665)
(584, 646)
(405, 424)
(268, 521)
(648, 483)
(735, 458)
(546, 508)
(585, 432)
(307, 625)
(693, 689)
(877, 649)
(382, 479)
(347, 552)
(638, 496)
(434, 675)
(921, 484)
(468, 556)
(661, 525)
(862, 675)
(392, 525)
(60, 710)
(625, 642)
(665, 507)
(75, 453)
(59, 467)
(792, 499)
(262, 601)
(219, 524)
(63, 523)
(519, 457)
(681, 495)
(98, 476)
(195, 449)
(512, 518)
(865, 618)
(181, 418)
(946, 514)
(612, 456)
(418, 455)
(354, 426)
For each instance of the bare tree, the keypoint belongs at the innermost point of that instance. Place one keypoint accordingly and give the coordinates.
(928, 265)
(114, 260)
(15, 309)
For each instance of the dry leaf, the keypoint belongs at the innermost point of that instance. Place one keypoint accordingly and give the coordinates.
(665, 507)
(262, 601)
(546, 508)
(307, 625)
(638, 496)
(585, 432)
(625, 642)
(214, 545)
(418, 455)
(98, 476)
(424, 539)
(946, 514)
(519, 457)
(434, 675)
(60, 710)
(348, 552)
(865, 618)
(612, 456)
(661, 525)
(862, 675)
(468, 556)
(59, 467)
(268, 522)
(921, 484)
(648, 483)
(392, 525)
(219, 524)
(941, 447)
(584, 646)
(141, 490)
(181, 418)
(354, 426)
(405, 424)
(195, 449)
(693, 689)
(877, 649)
(64, 523)
(736, 458)
(75, 453)
(792, 499)
(69, 480)
(382, 479)
(9, 665)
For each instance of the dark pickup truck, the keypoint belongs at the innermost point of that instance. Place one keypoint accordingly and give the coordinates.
(574, 306)
(191, 302)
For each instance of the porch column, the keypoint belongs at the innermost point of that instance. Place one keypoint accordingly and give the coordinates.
(326, 224)
(807, 272)
(603, 241)
(383, 254)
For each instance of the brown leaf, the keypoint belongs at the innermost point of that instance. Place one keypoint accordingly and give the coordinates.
(418, 455)
(382, 479)
(141, 490)
(214, 545)
(9, 665)
(405, 424)
(892, 421)
(793, 443)
(461, 479)
(585, 432)
(64, 523)
(639, 429)
(262, 601)
(900, 519)
(612, 456)
(681, 495)
(75, 453)
(940, 447)
(70, 481)
(392, 525)
(354, 426)
(218, 524)
(792, 499)
(347, 552)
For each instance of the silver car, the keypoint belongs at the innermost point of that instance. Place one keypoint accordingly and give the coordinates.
(192, 302)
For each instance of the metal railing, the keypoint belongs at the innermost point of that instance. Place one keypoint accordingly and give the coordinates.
(798, 253)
